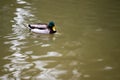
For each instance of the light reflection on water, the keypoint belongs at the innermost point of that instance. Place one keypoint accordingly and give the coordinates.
(83, 52)
(23, 64)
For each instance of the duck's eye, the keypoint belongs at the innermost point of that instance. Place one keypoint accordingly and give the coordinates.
(54, 28)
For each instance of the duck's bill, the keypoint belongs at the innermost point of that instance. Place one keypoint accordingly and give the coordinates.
(54, 29)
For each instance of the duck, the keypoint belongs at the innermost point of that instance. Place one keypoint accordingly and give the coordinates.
(43, 28)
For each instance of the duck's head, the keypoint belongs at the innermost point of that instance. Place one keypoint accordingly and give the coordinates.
(52, 27)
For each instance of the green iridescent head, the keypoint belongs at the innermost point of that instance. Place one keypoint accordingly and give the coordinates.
(52, 27)
(51, 24)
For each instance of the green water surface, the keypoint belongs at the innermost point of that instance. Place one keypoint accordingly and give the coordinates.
(86, 46)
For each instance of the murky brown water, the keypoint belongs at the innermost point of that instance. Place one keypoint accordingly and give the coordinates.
(86, 47)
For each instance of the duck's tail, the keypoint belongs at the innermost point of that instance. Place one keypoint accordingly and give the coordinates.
(27, 26)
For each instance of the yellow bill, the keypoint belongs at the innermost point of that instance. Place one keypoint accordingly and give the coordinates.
(54, 29)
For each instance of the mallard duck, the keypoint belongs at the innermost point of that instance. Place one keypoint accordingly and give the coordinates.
(43, 28)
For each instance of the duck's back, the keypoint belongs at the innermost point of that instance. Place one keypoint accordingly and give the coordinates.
(38, 25)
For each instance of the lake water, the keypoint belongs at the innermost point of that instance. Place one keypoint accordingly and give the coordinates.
(86, 46)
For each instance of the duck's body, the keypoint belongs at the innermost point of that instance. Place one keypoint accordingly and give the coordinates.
(43, 28)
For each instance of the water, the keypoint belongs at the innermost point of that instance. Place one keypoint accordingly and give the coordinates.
(86, 47)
